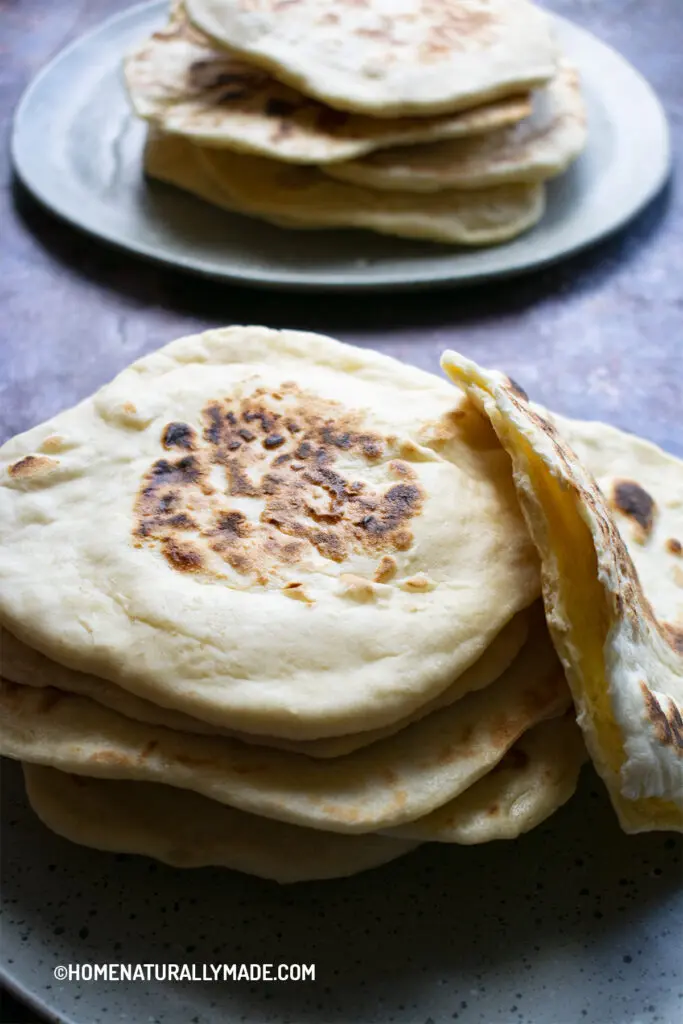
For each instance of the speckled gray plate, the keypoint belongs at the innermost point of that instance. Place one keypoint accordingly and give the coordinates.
(77, 146)
(573, 922)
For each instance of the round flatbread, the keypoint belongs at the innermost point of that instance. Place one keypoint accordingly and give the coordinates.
(24, 665)
(268, 530)
(186, 85)
(384, 58)
(305, 198)
(396, 780)
(188, 831)
(538, 148)
(535, 778)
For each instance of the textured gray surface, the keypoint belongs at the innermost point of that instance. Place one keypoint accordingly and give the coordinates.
(575, 922)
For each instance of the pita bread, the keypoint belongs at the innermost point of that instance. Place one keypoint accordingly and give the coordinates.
(538, 148)
(186, 85)
(384, 59)
(396, 780)
(267, 530)
(189, 831)
(305, 198)
(21, 664)
(623, 660)
(536, 777)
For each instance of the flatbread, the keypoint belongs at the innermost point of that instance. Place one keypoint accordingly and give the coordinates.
(385, 58)
(267, 530)
(623, 658)
(305, 198)
(396, 780)
(537, 775)
(186, 85)
(536, 149)
(22, 664)
(535, 778)
(189, 831)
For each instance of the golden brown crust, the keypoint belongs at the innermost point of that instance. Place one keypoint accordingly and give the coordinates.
(280, 449)
(32, 466)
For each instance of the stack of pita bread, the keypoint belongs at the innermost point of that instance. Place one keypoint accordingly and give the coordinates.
(438, 120)
(272, 602)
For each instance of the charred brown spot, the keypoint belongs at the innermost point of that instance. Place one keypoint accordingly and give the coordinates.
(668, 725)
(284, 458)
(182, 522)
(631, 499)
(181, 556)
(401, 502)
(179, 435)
(674, 547)
(148, 749)
(32, 466)
(518, 389)
(233, 525)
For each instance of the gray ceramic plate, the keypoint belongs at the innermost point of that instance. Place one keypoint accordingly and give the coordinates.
(77, 146)
(574, 922)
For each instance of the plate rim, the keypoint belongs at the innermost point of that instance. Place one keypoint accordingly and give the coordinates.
(282, 279)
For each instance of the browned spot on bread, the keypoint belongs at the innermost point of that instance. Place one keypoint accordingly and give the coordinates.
(386, 569)
(182, 557)
(280, 450)
(110, 757)
(148, 749)
(348, 814)
(129, 408)
(53, 443)
(179, 435)
(493, 810)
(518, 389)
(668, 724)
(32, 466)
(633, 501)
(399, 800)
(418, 584)
(674, 546)
(296, 591)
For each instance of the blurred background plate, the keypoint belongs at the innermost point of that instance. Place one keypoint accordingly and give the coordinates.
(77, 147)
